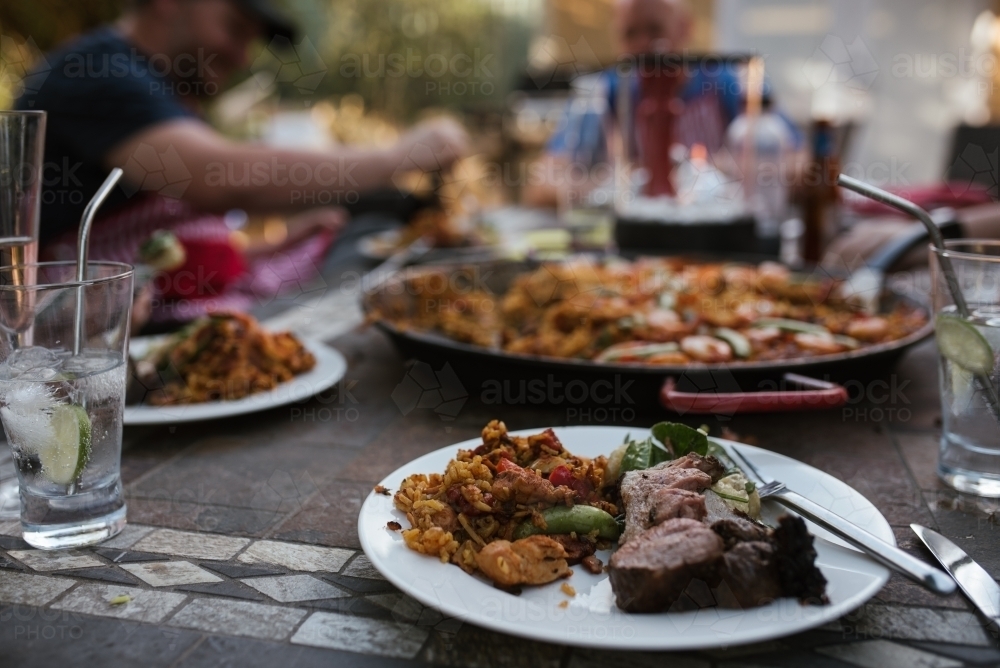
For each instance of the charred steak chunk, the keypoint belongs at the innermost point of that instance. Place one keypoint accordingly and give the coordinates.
(653, 570)
(796, 559)
(751, 576)
(710, 465)
(638, 487)
(738, 530)
(577, 549)
(669, 503)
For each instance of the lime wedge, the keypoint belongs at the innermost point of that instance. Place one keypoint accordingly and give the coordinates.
(959, 341)
(64, 457)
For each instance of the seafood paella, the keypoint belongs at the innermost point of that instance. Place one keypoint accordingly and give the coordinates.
(653, 311)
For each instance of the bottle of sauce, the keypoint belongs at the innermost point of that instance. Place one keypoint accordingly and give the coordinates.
(819, 195)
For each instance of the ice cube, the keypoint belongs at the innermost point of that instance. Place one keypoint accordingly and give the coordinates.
(32, 363)
(27, 414)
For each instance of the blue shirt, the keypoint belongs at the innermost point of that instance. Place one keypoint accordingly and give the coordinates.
(99, 91)
(712, 98)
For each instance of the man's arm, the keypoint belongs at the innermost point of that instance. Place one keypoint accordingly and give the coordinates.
(225, 174)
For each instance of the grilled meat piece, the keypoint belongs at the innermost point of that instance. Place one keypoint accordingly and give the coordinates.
(577, 549)
(592, 565)
(669, 503)
(738, 530)
(532, 561)
(751, 576)
(763, 564)
(710, 465)
(796, 558)
(654, 570)
(527, 487)
(637, 488)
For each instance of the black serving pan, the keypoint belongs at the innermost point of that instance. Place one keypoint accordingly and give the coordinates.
(496, 376)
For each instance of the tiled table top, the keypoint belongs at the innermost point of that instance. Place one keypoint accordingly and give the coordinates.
(242, 546)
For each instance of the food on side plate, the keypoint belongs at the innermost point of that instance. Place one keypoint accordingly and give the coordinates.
(522, 510)
(654, 311)
(221, 357)
(439, 228)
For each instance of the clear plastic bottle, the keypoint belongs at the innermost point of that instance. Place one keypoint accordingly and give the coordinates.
(763, 149)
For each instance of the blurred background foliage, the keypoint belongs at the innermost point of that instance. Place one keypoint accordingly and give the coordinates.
(400, 56)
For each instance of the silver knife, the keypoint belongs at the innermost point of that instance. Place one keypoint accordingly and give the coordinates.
(977, 584)
(883, 552)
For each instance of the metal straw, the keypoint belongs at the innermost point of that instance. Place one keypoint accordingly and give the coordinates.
(906, 206)
(83, 251)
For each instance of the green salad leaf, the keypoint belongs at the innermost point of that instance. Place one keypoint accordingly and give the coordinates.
(681, 439)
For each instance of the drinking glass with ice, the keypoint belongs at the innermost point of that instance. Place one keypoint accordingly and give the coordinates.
(62, 411)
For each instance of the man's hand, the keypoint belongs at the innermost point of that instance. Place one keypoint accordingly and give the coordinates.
(431, 146)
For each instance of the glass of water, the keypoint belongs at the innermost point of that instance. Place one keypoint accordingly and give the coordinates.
(62, 396)
(969, 347)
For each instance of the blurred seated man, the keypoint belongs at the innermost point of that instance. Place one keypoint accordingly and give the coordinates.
(709, 100)
(132, 95)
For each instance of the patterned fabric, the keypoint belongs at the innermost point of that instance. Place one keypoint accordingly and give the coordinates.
(118, 236)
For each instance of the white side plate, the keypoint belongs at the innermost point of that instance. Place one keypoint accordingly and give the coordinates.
(329, 370)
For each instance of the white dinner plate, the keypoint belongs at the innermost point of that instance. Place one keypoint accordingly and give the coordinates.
(329, 370)
(591, 619)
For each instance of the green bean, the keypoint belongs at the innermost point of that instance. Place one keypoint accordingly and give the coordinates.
(581, 520)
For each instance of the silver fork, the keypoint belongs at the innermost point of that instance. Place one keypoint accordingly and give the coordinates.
(884, 553)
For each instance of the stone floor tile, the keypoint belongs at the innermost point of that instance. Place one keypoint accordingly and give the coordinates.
(189, 516)
(26, 641)
(120, 556)
(192, 545)
(14, 543)
(309, 558)
(55, 560)
(906, 623)
(360, 634)
(143, 605)
(247, 471)
(226, 588)
(228, 652)
(976, 655)
(103, 573)
(240, 571)
(360, 567)
(329, 517)
(785, 659)
(361, 585)
(28, 589)
(473, 646)
(12, 528)
(290, 588)
(887, 654)
(399, 605)
(170, 573)
(128, 537)
(10, 564)
(920, 452)
(589, 658)
(239, 618)
(352, 606)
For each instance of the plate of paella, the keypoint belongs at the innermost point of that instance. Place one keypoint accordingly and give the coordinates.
(223, 365)
(617, 538)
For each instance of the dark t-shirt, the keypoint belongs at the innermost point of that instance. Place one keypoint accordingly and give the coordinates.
(98, 90)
